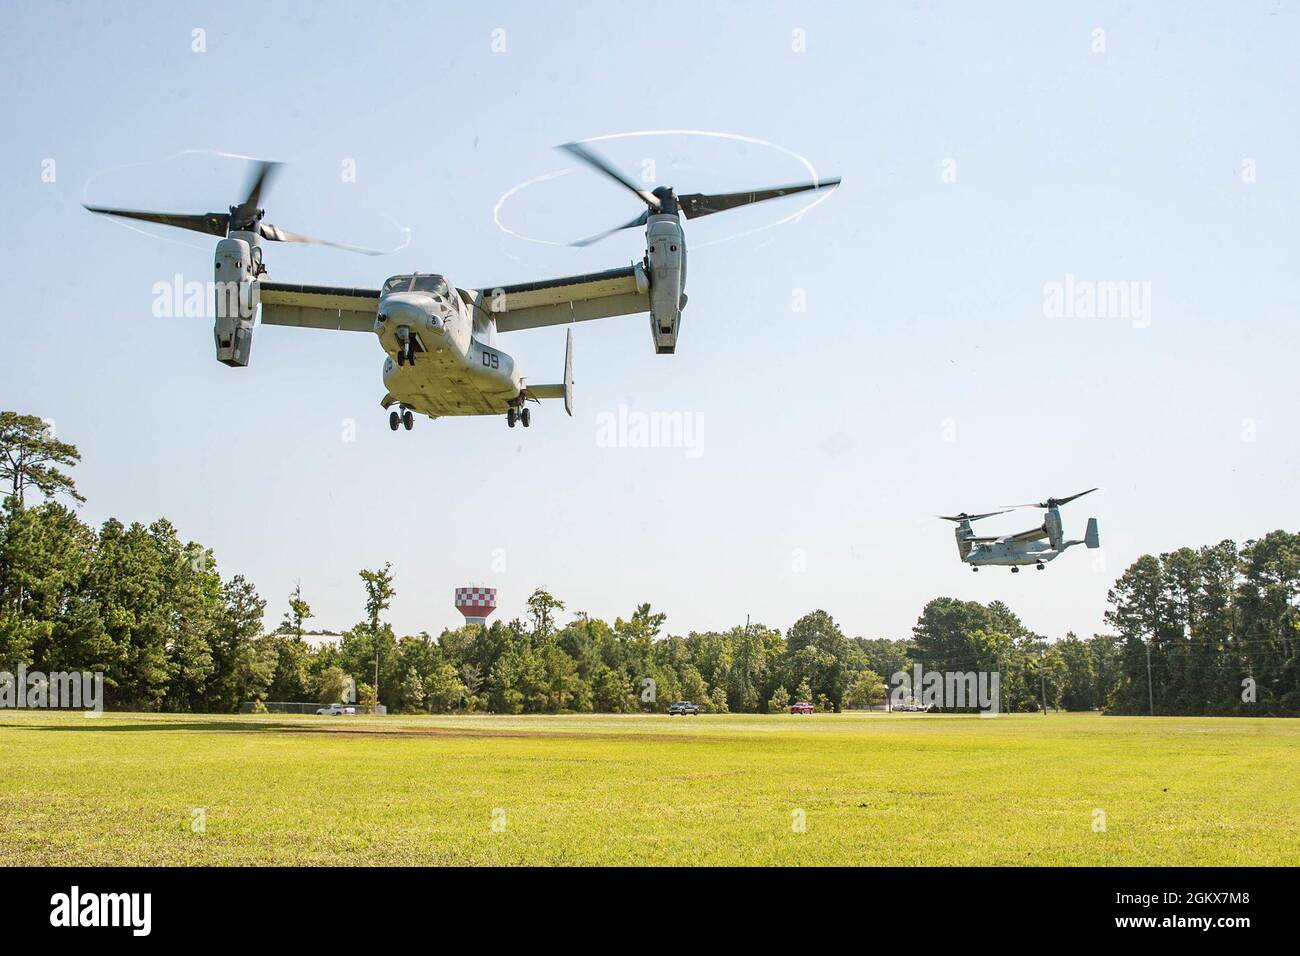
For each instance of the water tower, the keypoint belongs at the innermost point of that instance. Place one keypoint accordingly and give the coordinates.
(476, 603)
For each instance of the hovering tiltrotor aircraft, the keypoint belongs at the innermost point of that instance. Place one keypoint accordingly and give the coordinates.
(1036, 546)
(440, 340)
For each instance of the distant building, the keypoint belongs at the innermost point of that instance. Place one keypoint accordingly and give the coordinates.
(317, 641)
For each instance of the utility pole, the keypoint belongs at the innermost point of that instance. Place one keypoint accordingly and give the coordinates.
(998, 664)
(1042, 674)
(1151, 700)
(1101, 676)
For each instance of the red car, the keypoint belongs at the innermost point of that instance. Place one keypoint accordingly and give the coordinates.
(803, 707)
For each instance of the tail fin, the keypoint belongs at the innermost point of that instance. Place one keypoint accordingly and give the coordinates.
(1090, 536)
(568, 373)
(565, 390)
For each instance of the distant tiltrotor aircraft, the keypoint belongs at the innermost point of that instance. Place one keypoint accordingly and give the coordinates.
(1036, 546)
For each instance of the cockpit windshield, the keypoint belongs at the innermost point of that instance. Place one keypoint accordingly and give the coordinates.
(431, 283)
(418, 283)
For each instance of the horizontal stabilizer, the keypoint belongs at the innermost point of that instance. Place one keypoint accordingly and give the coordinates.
(564, 390)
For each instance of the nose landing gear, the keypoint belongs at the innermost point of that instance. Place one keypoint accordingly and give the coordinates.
(405, 419)
(1041, 566)
(405, 346)
(1015, 570)
(518, 415)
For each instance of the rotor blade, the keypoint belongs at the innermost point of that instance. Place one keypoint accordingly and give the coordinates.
(276, 234)
(638, 221)
(262, 174)
(1062, 501)
(599, 163)
(695, 205)
(1053, 501)
(965, 517)
(213, 223)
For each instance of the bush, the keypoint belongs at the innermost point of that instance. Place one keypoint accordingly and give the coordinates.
(331, 685)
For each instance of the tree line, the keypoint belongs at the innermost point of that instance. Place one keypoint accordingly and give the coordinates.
(1217, 629)
(153, 613)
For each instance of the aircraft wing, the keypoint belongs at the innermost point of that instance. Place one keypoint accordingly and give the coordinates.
(319, 306)
(597, 295)
(1032, 535)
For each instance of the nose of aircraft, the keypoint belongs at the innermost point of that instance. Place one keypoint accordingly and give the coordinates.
(404, 308)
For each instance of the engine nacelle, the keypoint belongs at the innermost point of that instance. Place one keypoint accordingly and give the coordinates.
(235, 274)
(964, 533)
(666, 260)
(1052, 525)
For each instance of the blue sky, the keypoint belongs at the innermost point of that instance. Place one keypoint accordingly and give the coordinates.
(922, 377)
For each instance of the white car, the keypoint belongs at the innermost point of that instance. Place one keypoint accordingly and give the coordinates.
(337, 710)
(914, 706)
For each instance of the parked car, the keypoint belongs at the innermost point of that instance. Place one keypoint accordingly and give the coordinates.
(802, 707)
(914, 706)
(337, 710)
(685, 708)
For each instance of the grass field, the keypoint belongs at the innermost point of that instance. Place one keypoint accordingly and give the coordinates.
(872, 788)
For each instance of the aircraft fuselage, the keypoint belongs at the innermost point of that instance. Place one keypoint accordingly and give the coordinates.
(455, 370)
(1011, 555)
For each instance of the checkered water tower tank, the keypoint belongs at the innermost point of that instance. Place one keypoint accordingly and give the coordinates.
(476, 603)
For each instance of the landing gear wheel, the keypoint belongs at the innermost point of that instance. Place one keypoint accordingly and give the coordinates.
(525, 417)
(394, 420)
(410, 351)
(1015, 570)
(401, 355)
(1042, 567)
(408, 420)
(976, 570)
(512, 416)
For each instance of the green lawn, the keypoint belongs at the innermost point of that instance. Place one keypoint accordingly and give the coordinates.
(872, 788)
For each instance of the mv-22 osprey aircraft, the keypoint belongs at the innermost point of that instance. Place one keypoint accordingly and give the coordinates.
(440, 340)
(1036, 546)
